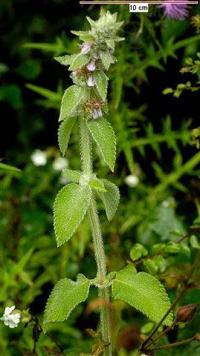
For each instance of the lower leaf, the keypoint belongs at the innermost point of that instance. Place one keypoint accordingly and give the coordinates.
(65, 296)
(143, 292)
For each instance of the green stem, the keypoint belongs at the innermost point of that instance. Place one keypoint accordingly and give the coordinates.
(86, 158)
(174, 344)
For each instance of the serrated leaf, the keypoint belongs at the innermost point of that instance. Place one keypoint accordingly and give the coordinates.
(84, 35)
(65, 296)
(72, 175)
(70, 207)
(66, 59)
(91, 22)
(79, 61)
(71, 99)
(64, 133)
(101, 82)
(111, 43)
(110, 198)
(104, 136)
(106, 58)
(143, 292)
(97, 184)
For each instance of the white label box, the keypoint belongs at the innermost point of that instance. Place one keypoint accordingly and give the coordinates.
(138, 7)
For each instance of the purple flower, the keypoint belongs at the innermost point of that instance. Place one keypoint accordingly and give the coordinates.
(90, 81)
(85, 48)
(175, 11)
(96, 113)
(91, 66)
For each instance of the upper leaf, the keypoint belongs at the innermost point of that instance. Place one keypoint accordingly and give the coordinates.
(144, 292)
(97, 184)
(110, 198)
(66, 59)
(101, 82)
(65, 296)
(64, 133)
(84, 35)
(72, 175)
(79, 61)
(70, 207)
(71, 99)
(107, 59)
(104, 136)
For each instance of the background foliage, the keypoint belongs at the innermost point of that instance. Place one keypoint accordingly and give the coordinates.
(153, 117)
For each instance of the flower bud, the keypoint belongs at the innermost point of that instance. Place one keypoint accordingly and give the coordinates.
(85, 48)
(90, 81)
(96, 113)
(91, 66)
(186, 313)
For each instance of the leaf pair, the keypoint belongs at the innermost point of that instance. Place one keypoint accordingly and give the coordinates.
(140, 290)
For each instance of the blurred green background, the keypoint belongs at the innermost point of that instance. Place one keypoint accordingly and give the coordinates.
(157, 169)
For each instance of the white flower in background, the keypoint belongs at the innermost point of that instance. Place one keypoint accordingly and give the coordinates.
(9, 318)
(91, 66)
(60, 163)
(63, 180)
(39, 158)
(85, 48)
(132, 180)
(90, 81)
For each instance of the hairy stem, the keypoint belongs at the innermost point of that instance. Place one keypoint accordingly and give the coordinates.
(86, 158)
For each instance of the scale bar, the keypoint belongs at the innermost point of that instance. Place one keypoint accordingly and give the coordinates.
(178, 2)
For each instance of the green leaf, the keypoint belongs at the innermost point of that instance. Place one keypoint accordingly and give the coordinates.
(110, 44)
(194, 242)
(143, 292)
(71, 99)
(97, 184)
(65, 60)
(101, 82)
(70, 207)
(65, 296)
(72, 175)
(138, 251)
(64, 133)
(106, 58)
(173, 247)
(110, 198)
(8, 168)
(104, 136)
(167, 91)
(84, 35)
(79, 61)
(150, 266)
